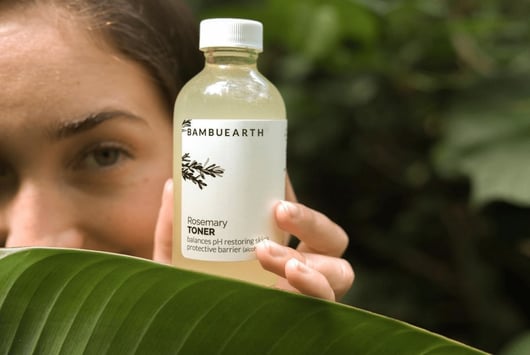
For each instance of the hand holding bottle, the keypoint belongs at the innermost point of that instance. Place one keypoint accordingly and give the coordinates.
(315, 268)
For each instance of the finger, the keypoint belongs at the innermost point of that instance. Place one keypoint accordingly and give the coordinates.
(273, 256)
(307, 280)
(297, 276)
(337, 271)
(164, 227)
(317, 232)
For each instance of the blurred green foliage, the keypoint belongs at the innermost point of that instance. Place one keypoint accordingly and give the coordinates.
(410, 126)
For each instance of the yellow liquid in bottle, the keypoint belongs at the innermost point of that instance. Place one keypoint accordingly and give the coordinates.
(229, 87)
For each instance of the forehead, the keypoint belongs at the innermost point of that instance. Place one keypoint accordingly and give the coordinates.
(43, 40)
(49, 59)
(43, 36)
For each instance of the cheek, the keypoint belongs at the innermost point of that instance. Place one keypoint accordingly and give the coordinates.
(127, 224)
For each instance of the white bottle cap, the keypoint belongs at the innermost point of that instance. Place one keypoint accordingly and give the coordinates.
(231, 32)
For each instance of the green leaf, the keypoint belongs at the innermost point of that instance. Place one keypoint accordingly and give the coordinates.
(487, 139)
(66, 301)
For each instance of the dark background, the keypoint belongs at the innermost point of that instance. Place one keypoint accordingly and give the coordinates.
(377, 93)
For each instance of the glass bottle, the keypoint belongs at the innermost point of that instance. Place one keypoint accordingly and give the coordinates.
(230, 133)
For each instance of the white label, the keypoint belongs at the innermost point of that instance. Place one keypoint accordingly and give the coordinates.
(233, 175)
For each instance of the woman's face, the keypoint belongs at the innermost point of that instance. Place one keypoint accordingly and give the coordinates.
(85, 140)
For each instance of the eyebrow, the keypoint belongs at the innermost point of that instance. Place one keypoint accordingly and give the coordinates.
(70, 128)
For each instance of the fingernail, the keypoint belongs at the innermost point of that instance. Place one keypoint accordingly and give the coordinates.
(168, 186)
(298, 265)
(290, 208)
(274, 249)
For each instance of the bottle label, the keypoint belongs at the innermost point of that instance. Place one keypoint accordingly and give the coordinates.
(233, 176)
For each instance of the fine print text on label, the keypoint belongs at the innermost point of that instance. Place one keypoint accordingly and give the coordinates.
(201, 238)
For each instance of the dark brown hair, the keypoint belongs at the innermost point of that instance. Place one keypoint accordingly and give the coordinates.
(160, 34)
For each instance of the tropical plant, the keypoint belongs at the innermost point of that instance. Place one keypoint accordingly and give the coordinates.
(66, 301)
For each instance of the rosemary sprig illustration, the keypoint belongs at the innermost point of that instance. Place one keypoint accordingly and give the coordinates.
(197, 172)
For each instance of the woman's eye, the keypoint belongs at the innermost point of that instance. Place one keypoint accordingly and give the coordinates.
(104, 157)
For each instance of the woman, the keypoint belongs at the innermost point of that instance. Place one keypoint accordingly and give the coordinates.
(85, 137)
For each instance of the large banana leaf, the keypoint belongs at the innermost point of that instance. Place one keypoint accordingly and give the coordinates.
(55, 301)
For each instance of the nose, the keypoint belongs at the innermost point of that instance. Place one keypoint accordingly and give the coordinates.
(40, 215)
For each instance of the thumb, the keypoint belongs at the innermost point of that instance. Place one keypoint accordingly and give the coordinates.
(163, 242)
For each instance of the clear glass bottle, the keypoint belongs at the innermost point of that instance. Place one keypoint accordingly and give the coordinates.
(230, 132)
